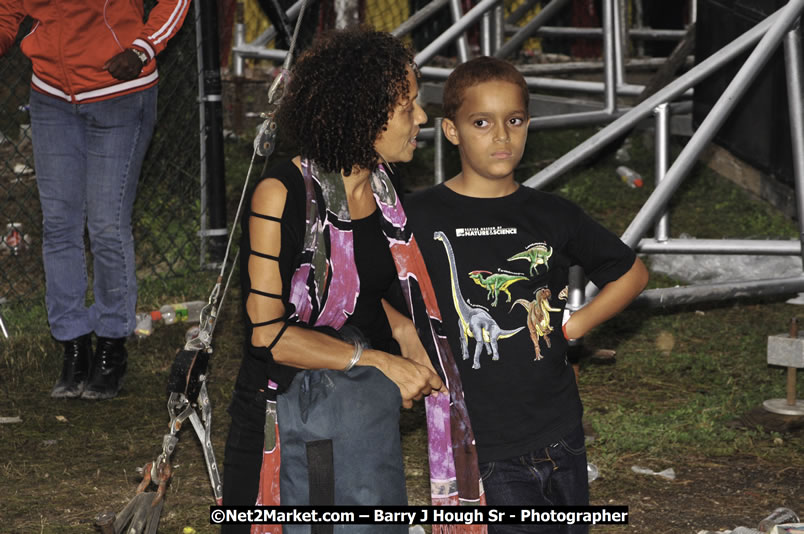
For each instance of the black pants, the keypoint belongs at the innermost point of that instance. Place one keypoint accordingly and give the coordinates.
(243, 454)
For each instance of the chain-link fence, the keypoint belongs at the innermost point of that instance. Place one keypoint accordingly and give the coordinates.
(167, 211)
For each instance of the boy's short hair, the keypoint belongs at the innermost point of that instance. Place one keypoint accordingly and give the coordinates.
(476, 71)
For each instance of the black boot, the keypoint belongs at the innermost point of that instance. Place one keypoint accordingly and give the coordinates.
(75, 370)
(108, 368)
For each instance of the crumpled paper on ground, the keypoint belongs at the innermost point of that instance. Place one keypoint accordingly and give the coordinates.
(669, 473)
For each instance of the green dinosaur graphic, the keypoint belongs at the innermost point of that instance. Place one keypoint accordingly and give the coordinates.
(536, 255)
(495, 283)
(473, 321)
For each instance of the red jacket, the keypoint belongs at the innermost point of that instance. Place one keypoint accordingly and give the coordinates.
(71, 40)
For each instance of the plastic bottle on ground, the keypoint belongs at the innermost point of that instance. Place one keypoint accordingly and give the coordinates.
(630, 177)
(779, 516)
(182, 311)
(592, 472)
(145, 325)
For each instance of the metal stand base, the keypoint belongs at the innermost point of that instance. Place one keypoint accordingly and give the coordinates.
(781, 407)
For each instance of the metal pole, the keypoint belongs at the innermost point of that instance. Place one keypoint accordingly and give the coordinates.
(202, 128)
(239, 40)
(534, 82)
(648, 34)
(485, 33)
(417, 18)
(642, 110)
(662, 112)
(212, 129)
(638, 25)
(462, 45)
(793, 69)
(454, 31)
(438, 150)
(645, 64)
(520, 12)
(513, 44)
(292, 13)
(678, 296)
(3, 327)
(743, 247)
(569, 120)
(499, 27)
(619, 36)
(577, 297)
(609, 57)
(716, 117)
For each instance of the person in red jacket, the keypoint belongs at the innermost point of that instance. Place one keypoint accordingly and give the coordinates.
(93, 111)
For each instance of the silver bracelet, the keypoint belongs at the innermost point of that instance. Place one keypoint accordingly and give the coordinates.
(356, 356)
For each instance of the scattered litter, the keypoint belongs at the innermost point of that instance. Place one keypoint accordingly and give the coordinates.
(8, 420)
(738, 530)
(630, 177)
(713, 268)
(22, 168)
(61, 419)
(780, 516)
(797, 300)
(623, 153)
(665, 341)
(794, 528)
(188, 530)
(603, 357)
(49, 442)
(592, 472)
(669, 473)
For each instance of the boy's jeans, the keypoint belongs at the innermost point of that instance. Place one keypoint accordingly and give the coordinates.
(88, 159)
(552, 476)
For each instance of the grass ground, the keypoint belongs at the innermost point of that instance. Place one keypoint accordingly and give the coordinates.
(677, 395)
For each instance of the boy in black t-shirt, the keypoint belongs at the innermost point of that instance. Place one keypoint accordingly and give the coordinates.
(498, 254)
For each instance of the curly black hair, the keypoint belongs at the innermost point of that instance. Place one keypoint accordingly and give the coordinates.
(341, 94)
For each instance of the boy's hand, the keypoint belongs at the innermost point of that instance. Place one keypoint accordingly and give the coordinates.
(611, 300)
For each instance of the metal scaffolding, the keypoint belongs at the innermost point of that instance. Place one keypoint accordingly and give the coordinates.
(766, 37)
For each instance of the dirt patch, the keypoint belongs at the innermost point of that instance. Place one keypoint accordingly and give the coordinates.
(70, 460)
(707, 494)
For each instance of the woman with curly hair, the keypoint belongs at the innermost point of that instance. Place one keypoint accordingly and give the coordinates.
(323, 273)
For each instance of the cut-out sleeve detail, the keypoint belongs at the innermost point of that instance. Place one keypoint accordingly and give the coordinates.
(266, 217)
(279, 334)
(265, 256)
(266, 323)
(264, 294)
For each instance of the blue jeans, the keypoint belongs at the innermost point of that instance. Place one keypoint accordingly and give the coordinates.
(552, 476)
(88, 159)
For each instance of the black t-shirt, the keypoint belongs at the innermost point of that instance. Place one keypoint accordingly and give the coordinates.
(373, 261)
(500, 268)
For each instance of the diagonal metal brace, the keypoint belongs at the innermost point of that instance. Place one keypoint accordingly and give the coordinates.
(203, 430)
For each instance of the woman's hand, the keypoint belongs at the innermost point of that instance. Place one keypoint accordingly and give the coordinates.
(404, 332)
(413, 379)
